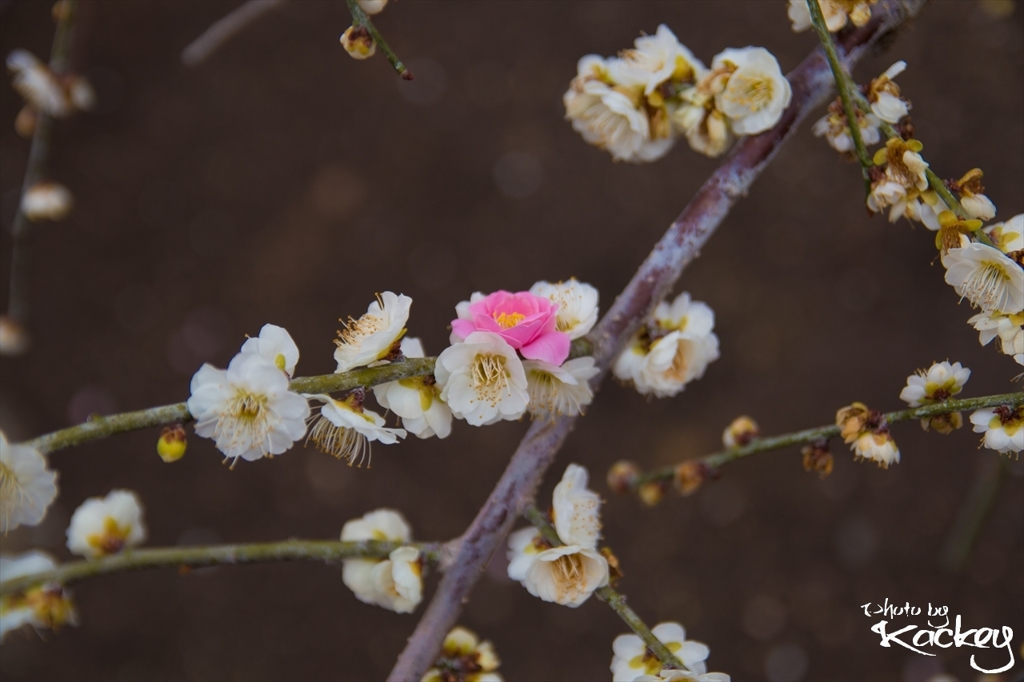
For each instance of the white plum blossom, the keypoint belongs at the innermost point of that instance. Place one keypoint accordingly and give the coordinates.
(464, 651)
(903, 180)
(1003, 428)
(756, 93)
(576, 509)
(577, 305)
(835, 12)
(609, 118)
(482, 380)
(382, 525)
(398, 580)
(876, 446)
(27, 485)
(1008, 236)
(936, 384)
(47, 201)
(275, 344)
(106, 525)
(884, 95)
(556, 391)
(986, 277)
(247, 409)
(836, 130)
(632, 658)
(656, 59)
(417, 400)
(565, 575)
(43, 606)
(371, 337)
(1008, 328)
(373, 6)
(37, 84)
(684, 345)
(706, 129)
(345, 428)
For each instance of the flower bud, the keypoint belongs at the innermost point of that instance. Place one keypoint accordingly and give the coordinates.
(740, 432)
(25, 122)
(14, 340)
(690, 475)
(652, 492)
(818, 458)
(358, 43)
(851, 420)
(47, 201)
(622, 476)
(171, 445)
(373, 6)
(943, 423)
(614, 570)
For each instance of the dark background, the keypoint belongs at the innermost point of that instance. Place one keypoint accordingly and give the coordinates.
(283, 182)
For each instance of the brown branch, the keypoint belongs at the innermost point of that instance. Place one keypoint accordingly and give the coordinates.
(811, 83)
(224, 28)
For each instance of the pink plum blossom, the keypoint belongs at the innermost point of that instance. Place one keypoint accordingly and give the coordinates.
(527, 322)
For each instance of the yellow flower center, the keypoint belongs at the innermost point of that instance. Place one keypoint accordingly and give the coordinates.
(112, 539)
(753, 93)
(490, 378)
(508, 320)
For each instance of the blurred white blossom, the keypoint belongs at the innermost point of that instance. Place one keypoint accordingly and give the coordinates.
(27, 485)
(106, 525)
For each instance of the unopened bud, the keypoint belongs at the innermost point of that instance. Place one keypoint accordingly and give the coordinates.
(622, 476)
(690, 475)
(943, 423)
(614, 571)
(47, 201)
(373, 6)
(358, 43)
(818, 458)
(172, 443)
(851, 420)
(740, 432)
(652, 492)
(14, 340)
(25, 121)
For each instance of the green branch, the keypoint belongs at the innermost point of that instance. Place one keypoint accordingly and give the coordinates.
(844, 85)
(614, 599)
(826, 432)
(101, 427)
(360, 18)
(215, 555)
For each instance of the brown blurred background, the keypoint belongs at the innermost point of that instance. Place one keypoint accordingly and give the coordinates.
(283, 182)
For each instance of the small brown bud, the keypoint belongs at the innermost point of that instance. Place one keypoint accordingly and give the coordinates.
(25, 122)
(740, 432)
(690, 475)
(614, 571)
(14, 340)
(943, 423)
(652, 492)
(358, 43)
(622, 477)
(851, 420)
(818, 458)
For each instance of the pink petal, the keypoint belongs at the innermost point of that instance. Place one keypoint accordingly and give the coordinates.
(551, 347)
(463, 328)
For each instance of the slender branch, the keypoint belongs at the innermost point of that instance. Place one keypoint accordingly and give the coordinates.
(844, 85)
(101, 427)
(825, 432)
(224, 29)
(608, 595)
(216, 555)
(360, 18)
(973, 512)
(654, 279)
(18, 305)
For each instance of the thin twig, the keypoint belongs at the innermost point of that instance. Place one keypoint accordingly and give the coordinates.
(216, 555)
(655, 278)
(607, 594)
(973, 512)
(18, 302)
(224, 28)
(825, 432)
(360, 18)
(844, 85)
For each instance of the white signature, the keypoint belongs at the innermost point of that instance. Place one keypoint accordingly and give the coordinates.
(941, 636)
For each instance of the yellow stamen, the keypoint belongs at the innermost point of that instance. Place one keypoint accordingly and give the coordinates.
(509, 320)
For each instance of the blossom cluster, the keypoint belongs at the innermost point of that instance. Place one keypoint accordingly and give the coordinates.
(567, 574)
(673, 349)
(983, 263)
(509, 354)
(55, 95)
(837, 13)
(637, 104)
